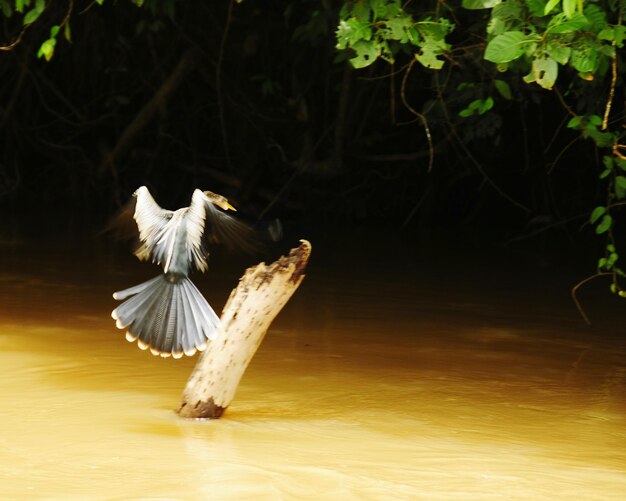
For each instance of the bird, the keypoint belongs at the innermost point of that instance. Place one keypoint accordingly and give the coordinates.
(168, 314)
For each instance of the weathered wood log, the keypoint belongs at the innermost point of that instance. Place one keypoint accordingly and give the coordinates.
(252, 306)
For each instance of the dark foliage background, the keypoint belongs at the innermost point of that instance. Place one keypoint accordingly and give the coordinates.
(252, 100)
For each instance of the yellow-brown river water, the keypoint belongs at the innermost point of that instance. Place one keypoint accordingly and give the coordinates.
(374, 383)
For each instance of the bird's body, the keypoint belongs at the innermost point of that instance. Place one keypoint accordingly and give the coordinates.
(168, 314)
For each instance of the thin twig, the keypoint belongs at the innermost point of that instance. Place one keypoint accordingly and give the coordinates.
(415, 208)
(422, 118)
(471, 157)
(542, 229)
(575, 289)
(15, 42)
(617, 150)
(562, 152)
(616, 204)
(385, 75)
(609, 102)
(392, 96)
(555, 135)
(562, 101)
(68, 14)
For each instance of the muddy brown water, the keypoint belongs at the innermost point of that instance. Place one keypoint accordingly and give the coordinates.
(378, 381)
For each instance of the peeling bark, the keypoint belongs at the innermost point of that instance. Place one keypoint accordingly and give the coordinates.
(252, 306)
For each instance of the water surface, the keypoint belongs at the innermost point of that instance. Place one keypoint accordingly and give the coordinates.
(382, 379)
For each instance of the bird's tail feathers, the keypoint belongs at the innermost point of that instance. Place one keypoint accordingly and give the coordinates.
(168, 316)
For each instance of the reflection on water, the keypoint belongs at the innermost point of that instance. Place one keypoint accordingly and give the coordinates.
(368, 387)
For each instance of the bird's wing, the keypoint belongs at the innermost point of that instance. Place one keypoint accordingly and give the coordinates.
(122, 225)
(207, 222)
(151, 222)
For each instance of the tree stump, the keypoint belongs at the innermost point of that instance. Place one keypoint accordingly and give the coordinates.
(252, 306)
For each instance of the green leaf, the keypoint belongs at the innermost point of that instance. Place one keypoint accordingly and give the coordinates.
(54, 30)
(574, 122)
(602, 263)
(436, 31)
(398, 28)
(545, 70)
(549, 6)
(502, 67)
(477, 107)
(602, 139)
(605, 224)
(585, 59)
(596, 16)
(561, 24)
(620, 163)
(67, 33)
(504, 89)
(466, 85)
(536, 7)
(480, 4)
(5, 7)
(31, 16)
(485, 106)
(595, 120)
(351, 31)
(496, 26)
(605, 173)
(596, 214)
(384, 9)
(413, 35)
(366, 53)
(560, 53)
(428, 56)
(608, 162)
(620, 186)
(530, 78)
(617, 33)
(506, 47)
(47, 49)
(569, 8)
(379, 9)
(505, 17)
(433, 44)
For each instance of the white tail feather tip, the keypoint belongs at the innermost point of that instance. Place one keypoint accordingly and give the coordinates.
(130, 337)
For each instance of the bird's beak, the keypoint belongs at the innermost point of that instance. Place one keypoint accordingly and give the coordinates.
(227, 206)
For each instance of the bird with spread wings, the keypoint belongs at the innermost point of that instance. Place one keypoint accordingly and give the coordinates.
(168, 314)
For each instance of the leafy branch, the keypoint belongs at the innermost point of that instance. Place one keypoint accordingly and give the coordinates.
(536, 40)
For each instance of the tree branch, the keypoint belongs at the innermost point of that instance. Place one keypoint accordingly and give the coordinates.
(252, 306)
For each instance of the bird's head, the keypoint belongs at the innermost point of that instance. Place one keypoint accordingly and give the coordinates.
(140, 190)
(219, 200)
